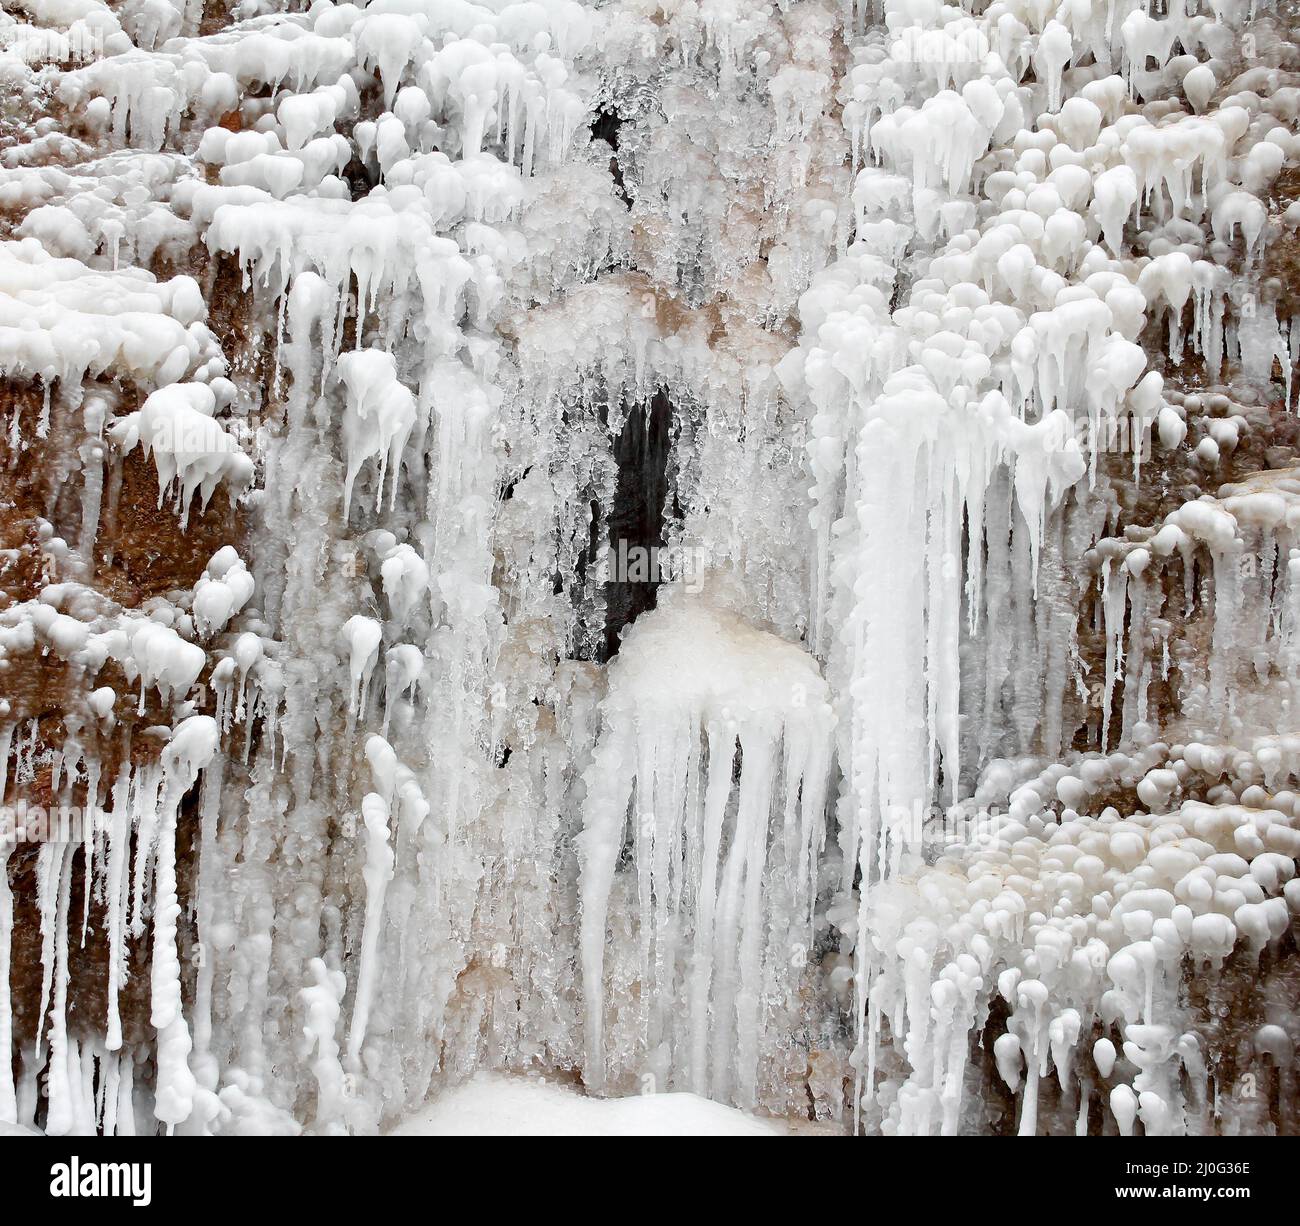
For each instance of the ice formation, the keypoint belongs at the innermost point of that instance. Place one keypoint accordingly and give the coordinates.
(742, 549)
(715, 929)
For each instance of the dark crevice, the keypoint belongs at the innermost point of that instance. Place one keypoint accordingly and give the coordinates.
(588, 555)
(360, 180)
(508, 488)
(606, 126)
(636, 521)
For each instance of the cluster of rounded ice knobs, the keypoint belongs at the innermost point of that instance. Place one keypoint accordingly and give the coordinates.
(345, 347)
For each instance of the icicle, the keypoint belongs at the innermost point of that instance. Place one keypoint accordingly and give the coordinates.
(62, 1071)
(192, 747)
(322, 1001)
(378, 872)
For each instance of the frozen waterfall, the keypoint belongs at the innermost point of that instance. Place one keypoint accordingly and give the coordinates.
(745, 549)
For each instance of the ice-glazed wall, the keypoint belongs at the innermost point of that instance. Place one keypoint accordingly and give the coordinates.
(937, 772)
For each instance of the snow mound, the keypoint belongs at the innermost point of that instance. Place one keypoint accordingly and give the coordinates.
(491, 1105)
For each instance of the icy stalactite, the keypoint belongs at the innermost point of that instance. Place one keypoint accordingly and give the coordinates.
(177, 429)
(322, 999)
(725, 871)
(191, 748)
(378, 873)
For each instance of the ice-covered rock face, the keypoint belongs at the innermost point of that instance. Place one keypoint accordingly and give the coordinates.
(964, 333)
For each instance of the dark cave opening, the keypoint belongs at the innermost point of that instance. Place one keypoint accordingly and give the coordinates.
(636, 520)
